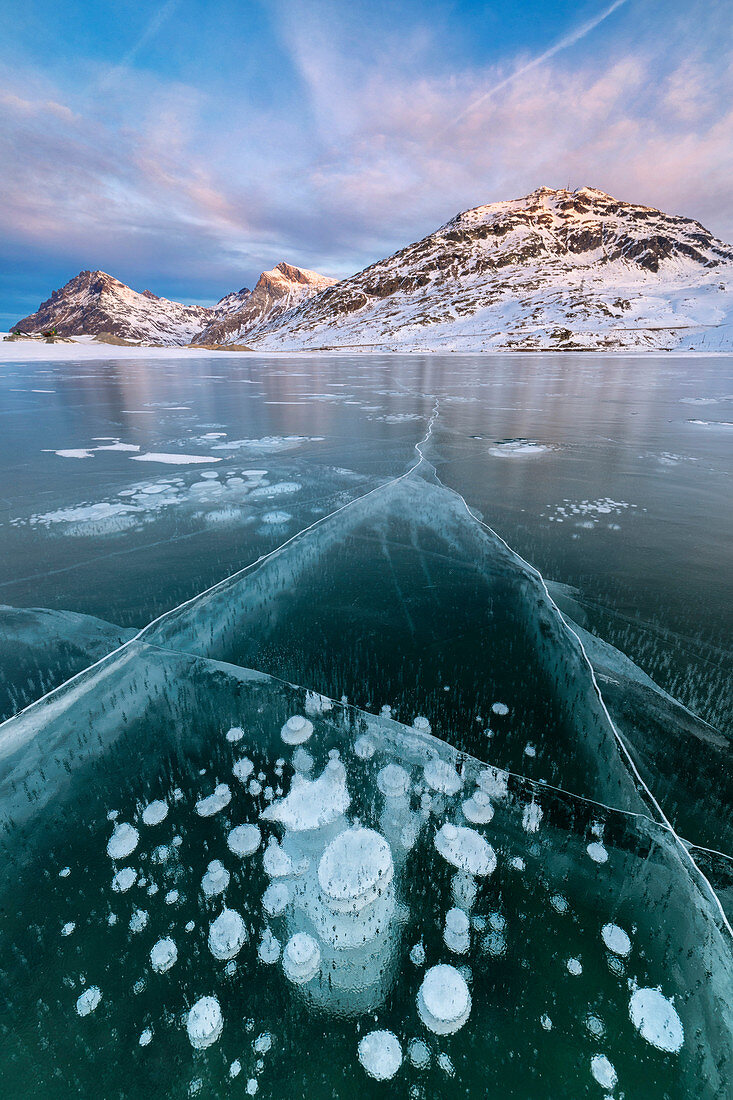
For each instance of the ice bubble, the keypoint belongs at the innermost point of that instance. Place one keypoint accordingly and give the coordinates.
(269, 948)
(500, 708)
(112, 919)
(393, 781)
(213, 803)
(317, 704)
(66, 871)
(380, 1054)
(138, 920)
(494, 782)
(236, 733)
(244, 840)
(408, 835)
(442, 776)
(227, 935)
(252, 1086)
(235, 1068)
(446, 1064)
(296, 730)
(364, 747)
(421, 723)
(190, 926)
(215, 880)
(161, 854)
(603, 1071)
(463, 888)
(354, 869)
(419, 1053)
(456, 934)
(517, 863)
(559, 903)
(171, 897)
(177, 841)
(594, 1025)
(302, 761)
(277, 862)
(301, 958)
(465, 849)
(546, 1022)
(443, 1000)
(124, 879)
(531, 817)
(262, 1043)
(89, 1000)
(205, 1023)
(386, 711)
(656, 1019)
(478, 808)
(145, 1037)
(276, 898)
(155, 812)
(574, 967)
(123, 841)
(163, 955)
(530, 750)
(494, 943)
(597, 852)
(243, 769)
(68, 928)
(312, 803)
(616, 939)
(254, 788)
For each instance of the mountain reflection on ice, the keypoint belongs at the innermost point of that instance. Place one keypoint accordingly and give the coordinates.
(210, 873)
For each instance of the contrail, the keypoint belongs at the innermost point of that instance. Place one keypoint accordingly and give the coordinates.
(150, 31)
(568, 40)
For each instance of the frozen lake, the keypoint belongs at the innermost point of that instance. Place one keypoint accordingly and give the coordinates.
(539, 805)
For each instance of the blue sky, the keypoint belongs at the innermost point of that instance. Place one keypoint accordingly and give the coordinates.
(186, 146)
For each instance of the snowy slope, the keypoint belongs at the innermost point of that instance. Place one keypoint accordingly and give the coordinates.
(557, 269)
(276, 291)
(94, 302)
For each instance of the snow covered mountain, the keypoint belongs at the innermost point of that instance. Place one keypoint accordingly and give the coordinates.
(94, 302)
(276, 292)
(557, 269)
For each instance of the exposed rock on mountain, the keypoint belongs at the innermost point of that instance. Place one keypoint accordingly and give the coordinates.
(557, 269)
(94, 302)
(276, 292)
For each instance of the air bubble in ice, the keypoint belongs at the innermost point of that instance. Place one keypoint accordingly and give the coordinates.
(456, 935)
(574, 967)
(123, 841)
(656, 1019)
(419, 1053)
(269, 948)
(215, 879)
(88, 1000)
(364, 747)
(68, 928)
(301, 958)
(421, 723)
(227, 935)
(236, 733)
(393, 781)
(465, 849)
(355, 869)
(205, 1023)
(243, 769)
(163, 955)
(380, 1054)
(155, 812)
(443, 1000)
(603, 1072)
(500, 708)
(213, 803)
(478, 808)
(312, 803)
(615, 939)
(138, 920)
(244, 840)
(531, 817)
(597, 852)
(124, 879)
(442, 776)
(276, 898)
(145, 1037)
(296, 730)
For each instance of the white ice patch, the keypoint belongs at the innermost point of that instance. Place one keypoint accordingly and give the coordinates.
(155, 812)
(244, 840)
(518, 448)
(215, 880)
(603, 1072)
(615, 939)
(443, 1000)
(301, 958)
(163, 955)
(312, 803)
(205, 1023)
(213, 803)
(173, 460)
(656, 1020)
(380, 1054)
(276, 519)
(88, 1000)
(227, 935)
(123, 841)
